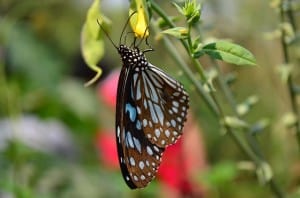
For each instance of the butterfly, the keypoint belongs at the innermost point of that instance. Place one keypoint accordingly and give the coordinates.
(150, 113)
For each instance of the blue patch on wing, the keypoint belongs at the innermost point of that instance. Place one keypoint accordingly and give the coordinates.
(131, 110)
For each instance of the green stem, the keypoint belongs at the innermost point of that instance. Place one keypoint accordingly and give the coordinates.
(253, 152)
(252, 141)
(224, 87)
(189, 39)
(169, 22)
(176, 57)
(292, 94)
(291, 17)
(10, 111)
(232, 102)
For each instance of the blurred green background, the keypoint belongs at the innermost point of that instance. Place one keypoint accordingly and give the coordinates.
(42, 75)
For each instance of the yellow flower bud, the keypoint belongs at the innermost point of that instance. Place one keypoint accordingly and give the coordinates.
(139, 20)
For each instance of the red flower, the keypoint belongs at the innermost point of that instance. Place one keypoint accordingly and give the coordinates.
(181, 162)
(108, 89)
(105, 140)
(169, 170)
(107, 148)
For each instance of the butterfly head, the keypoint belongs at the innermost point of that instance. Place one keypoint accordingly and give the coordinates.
(131, 56)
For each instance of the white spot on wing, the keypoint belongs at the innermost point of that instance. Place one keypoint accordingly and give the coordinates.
(138, 109)
(141, 165)
(179, 119)
(138, 125)
(175, 109)
(137, 144)
(147, 162)
(118, 131)
(132, 162)
(145, 122)
(167, 133)
(156, 148)
(149, 151)
(159, 113)
(138, 90)
(173, 122)
(175, 103)
(129, 139)
(157, 132)
(152, 112)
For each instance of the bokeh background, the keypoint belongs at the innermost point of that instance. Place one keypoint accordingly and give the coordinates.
(57, 136)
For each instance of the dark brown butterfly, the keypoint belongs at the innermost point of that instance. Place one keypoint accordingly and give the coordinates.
(150, 113)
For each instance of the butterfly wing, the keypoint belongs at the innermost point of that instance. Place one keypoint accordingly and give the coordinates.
(163, 107)
(138, 157)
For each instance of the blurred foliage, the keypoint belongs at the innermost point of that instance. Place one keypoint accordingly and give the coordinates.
(42, 74)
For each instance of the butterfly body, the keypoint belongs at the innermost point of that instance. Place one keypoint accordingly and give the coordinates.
(150, 113)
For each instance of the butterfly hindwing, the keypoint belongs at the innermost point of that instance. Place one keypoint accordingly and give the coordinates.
(163, 107)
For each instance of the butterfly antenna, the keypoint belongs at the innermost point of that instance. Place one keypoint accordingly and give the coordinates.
(126, 26)
(134, 41)
(146, 40)
(148, 44)
(144, 37)
(125, 37)
(106, 34)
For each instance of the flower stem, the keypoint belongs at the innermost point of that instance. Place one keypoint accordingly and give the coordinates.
(290, 84)
(167, 20)
(255, 154)
(176, 56)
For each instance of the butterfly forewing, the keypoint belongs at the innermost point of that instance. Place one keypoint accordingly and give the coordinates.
(138, 157)
(151, 110)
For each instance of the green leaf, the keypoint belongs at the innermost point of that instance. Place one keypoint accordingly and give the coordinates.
(178, 32)
(197, 48)
(191, 10)
(230, 53)
(180, 10)
(197, 54)
(92, 45)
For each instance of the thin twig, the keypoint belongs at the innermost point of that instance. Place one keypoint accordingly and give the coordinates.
(290, 84)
